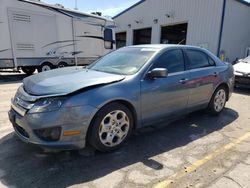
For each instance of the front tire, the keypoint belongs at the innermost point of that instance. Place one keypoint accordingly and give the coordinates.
(111, 127)
(218, 101)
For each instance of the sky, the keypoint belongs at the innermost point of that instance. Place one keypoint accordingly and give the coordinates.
(107, 7)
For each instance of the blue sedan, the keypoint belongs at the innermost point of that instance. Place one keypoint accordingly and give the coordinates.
(130, 88)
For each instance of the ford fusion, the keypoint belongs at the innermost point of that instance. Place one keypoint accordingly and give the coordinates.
(130, 88)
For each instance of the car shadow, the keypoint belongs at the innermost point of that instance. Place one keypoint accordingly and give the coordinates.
(10, 78)
(23, 165)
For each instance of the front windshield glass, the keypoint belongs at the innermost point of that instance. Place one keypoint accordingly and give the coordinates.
(247, 59)
(125, 61)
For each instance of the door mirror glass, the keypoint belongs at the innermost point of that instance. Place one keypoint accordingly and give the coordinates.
(158, 73)
(108, 35)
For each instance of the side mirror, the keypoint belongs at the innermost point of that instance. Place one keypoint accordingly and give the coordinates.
(158, 73)
(108, 38)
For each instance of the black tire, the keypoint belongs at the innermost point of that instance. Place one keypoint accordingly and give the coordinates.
(28, 70)
(212, 107)
(42, 67)
(93, 135)
(62, 64)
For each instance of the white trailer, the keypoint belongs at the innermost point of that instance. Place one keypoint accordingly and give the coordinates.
(35, 35)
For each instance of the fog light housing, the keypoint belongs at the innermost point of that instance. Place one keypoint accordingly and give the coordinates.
(49, 134)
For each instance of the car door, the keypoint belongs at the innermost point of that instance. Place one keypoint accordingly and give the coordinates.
(162, 98)
(203, 76)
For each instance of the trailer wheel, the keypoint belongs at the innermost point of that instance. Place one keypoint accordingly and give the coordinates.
(45, 67)
(28, 70)
(62, 64)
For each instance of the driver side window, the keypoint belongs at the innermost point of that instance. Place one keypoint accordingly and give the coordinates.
(172, 60)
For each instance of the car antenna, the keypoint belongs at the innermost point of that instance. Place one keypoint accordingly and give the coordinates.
(181, 41)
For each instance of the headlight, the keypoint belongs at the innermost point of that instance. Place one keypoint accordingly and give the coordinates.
(46, 105)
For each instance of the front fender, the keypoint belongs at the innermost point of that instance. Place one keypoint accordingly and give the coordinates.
(100, 96)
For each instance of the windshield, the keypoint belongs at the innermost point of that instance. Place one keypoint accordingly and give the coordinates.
(247, 59)
(125, 61)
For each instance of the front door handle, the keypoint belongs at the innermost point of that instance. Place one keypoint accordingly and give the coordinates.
(183, 80)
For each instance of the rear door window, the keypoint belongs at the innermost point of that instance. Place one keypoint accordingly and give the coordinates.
(197, 59)
(211, 61)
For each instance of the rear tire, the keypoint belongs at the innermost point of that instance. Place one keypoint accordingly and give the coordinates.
(45, 67)
(111, 127)
(218, 101)
(28, 70)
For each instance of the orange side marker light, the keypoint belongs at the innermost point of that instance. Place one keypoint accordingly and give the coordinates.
(70, 133)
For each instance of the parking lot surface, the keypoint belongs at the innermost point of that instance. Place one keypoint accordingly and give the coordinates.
(198, 150)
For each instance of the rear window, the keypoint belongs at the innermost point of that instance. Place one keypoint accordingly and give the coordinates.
(198, 59)
(211, 61)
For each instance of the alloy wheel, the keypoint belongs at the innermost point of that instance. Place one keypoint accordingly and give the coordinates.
(114, 128)
(219, 100)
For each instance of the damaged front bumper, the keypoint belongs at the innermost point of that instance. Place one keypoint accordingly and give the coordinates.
(65, 128)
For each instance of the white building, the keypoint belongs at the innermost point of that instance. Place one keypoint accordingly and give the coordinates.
(222, 26)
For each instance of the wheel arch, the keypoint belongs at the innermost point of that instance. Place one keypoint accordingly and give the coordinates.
(46, 62)
(62, 62)
(225, 85)
(130, 107)
(120, 101)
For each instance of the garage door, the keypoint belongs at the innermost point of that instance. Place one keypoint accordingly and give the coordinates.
(121, 39)
(142, 36)
(174, 34)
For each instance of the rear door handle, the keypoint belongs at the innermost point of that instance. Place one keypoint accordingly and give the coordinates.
(183, 80)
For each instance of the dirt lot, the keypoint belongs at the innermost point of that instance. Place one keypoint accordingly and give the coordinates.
(198, 150)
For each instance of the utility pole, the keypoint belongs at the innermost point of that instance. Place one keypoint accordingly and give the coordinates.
(76, 8)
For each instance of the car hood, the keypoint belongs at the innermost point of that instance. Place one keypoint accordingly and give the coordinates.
(67, 80)
(242, 67)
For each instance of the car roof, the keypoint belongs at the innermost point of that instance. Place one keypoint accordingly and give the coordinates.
(164, 46)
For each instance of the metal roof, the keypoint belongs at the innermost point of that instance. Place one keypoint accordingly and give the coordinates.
(126, 10)
(138, 3)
